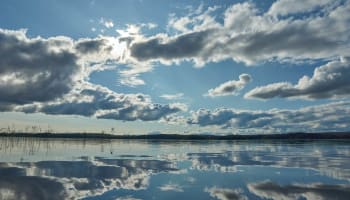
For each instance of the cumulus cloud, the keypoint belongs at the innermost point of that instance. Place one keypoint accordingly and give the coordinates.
(328, 81)
(230, 87)
(273, 190)
(44, 69)
(35, 69)
(327, 117)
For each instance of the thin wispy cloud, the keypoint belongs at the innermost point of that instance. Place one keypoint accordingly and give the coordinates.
(172, 96)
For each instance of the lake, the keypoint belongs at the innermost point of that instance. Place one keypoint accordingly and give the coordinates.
(33, 168)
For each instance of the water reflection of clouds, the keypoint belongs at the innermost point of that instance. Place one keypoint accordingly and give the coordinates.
(127, 198)
(130, 169)
(329, 160)
(78, 178)
(271, 190)
(223, 162)
(171, 187)
(31, 187)
(226, 193)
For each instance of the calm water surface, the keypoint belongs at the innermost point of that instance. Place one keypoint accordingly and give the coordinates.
(127, 169)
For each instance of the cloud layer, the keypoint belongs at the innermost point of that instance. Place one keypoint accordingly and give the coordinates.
(51, 76)
(102, 103)
(333, 116)
(328, 81)
(250, 36)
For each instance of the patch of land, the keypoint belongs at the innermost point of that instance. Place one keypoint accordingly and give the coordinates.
(285, 136)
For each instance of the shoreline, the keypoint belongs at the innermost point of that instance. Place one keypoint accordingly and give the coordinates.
(285, 136)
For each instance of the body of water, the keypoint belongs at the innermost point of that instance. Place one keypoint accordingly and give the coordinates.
(134, 169)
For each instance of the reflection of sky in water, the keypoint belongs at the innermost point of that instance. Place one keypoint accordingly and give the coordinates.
(90, 169)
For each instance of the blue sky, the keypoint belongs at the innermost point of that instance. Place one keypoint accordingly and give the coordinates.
(175, 66)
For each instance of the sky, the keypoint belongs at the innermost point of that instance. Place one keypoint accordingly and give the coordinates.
(184, 67)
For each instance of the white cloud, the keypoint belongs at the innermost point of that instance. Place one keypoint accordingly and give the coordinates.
(108, 23)
(172, 96)
(328, 81)
(230, 87)
(288, 7)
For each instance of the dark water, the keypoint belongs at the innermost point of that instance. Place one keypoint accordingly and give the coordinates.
(92, 169)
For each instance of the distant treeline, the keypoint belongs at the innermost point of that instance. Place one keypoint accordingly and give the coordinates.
(286, 136)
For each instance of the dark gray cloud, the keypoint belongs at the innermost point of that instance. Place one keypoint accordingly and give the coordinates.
(230, 87)
(46, 69)
(328, 81)
(271, 190)
(96, 45)
(141, 112)
(183, 46)
(333, 116)
(35, 69)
